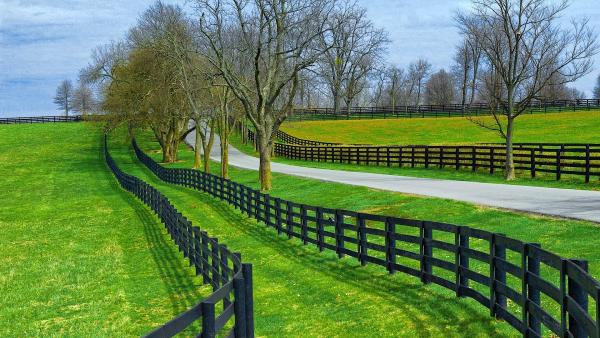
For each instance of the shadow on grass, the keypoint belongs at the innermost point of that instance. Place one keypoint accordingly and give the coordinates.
(389, 288)
(182, 288)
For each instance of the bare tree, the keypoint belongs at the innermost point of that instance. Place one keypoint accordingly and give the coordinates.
(358, 47)
(418, 72)
(462, 69)
(64, 96)
(260, 47)
(83, 99)
(395, 78)
(597, 88)
(439, 89)
(526, 47)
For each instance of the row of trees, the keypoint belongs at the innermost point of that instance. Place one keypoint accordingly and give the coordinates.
(80, 100)
(231, 61)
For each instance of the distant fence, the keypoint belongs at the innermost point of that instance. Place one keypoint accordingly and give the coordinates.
(40, 119)
(582, 160)
(218, 266)
(423, 111)
(547, 293)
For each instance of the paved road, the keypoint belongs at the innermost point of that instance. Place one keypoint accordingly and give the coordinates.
(568, 203)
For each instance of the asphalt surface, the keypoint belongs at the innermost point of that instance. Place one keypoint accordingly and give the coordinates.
(567, 203)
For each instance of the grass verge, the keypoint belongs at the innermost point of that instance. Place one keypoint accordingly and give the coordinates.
(79, 255)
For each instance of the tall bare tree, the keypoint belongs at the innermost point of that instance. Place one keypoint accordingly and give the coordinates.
(358, 47)
(83, 99)
(526, 46)
(260, 47)
(597, 88)
(64, 96)
(418, 72)
(439, 89)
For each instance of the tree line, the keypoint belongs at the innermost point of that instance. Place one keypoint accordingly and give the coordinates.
(226, 63)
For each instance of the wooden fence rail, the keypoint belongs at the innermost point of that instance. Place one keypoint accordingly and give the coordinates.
(547, 293)
(230, 279)
(423, 111)
(40, 119)
(582, 160)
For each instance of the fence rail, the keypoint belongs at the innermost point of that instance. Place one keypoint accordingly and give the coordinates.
(40, 119)
(547, 293)
(580, 160)
(230, 279)
(422, 111)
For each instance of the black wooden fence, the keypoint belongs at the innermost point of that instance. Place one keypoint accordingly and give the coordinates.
(422, 111)
(547, 293)
(581, 160)
(219, 267)
(40, 119)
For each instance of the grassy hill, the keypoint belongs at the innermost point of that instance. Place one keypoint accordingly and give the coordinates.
(79, 256)
(580, 126)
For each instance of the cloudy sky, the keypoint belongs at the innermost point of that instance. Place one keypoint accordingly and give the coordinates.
(44, 42)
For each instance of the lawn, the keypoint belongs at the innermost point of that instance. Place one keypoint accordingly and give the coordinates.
(330, 294)
(577, 127)
(80, 257)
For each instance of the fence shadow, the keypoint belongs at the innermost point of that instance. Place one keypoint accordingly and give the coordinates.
(389, 288)
(182, 288)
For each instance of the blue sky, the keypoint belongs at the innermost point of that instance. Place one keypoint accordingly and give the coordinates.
(44, 42)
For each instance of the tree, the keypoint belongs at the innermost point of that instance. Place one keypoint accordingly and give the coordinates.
(439, 89)
(64, 96)
(357, 48)
(83, 99)
(466, 69)
(526, 47)
(417, 73)
(260, 48)
(597, 89)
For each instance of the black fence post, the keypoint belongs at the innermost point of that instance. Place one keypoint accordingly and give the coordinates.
(239, 307)
(532, 163)
(320, 239)
(587, 163)
(390, 245)
(462, 260)
(290, 219)
(533, 294)
(362, 240)
(208, 319)
(426, 252)
(339, 233)
(578, 294)
(497, 251)
(249, 294)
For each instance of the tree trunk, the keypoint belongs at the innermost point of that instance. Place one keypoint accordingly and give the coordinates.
(509, 172)
(208, 147)
(225, 157)
(265, 162)
(197, 150)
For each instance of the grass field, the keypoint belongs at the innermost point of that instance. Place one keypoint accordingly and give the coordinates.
(576, 127)
(79, 257)
(297, 269)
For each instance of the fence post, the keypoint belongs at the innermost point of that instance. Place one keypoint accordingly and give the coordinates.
(278, 215)
(320, 236)
(426, 252)
(426, 157)
(473, 159)
(532, 163)
(208, 319)
(362, 240)
(339, 233)
(303, 225)
(587, 163)
(239, 307)
(462, 260)
(390, 245)
(558, 167)
(249, 293)
(533, 294)
(290, 219)
(492, 167)
(497, 251)
(578, 294)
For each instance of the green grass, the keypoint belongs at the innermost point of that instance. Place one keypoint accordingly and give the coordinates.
(330, 294)
(79, 256)
(575, 127)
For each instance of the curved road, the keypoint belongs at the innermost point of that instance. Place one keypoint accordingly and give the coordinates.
(567, 203)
